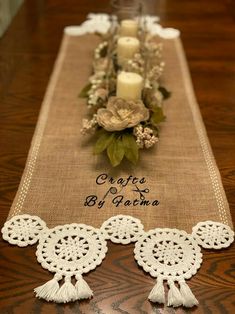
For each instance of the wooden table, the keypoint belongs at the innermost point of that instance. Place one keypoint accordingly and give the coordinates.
(27, 53)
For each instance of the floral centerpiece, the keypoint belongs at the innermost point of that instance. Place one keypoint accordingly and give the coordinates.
(124, 125)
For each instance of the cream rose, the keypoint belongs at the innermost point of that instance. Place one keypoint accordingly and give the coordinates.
(121, 114)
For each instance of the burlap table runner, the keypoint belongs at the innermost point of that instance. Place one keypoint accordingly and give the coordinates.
(61, 171)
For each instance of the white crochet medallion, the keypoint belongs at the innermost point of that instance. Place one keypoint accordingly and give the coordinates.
(171, 255)
(71, 250)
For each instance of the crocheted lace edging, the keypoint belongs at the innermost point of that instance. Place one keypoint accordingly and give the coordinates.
(70, 250)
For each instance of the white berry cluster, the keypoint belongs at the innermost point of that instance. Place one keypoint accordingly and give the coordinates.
(136, 64)
(145, 137)
(154, 49)
(155, 73)
(96, 81)
(92, 100)
(89, 126)
(98, 49)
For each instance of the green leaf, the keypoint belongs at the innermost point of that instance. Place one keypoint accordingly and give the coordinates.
(165, 93)
(157, 116)
(84, 92)
(115, 151)
(131, 148)
(103, 142)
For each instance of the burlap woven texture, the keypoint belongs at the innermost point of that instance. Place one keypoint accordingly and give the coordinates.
(61, 170)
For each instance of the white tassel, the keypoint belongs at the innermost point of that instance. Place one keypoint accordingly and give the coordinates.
(67, 292)
(174, 297)
(49, 290)
(82, 288)
(189, 299)
(157, 294)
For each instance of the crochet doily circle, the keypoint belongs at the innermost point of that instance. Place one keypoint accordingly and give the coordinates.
(122, 229)
(23, 230)
(169, 253)
(213, 235)
(71, 249)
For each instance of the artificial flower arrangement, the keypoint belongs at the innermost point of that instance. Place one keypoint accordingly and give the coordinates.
(125, 125)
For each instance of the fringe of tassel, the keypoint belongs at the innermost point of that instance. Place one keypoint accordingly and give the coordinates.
(176, 297)
(67, 292)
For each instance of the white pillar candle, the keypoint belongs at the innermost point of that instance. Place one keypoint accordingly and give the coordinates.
(128, 28)
(126, 48)
(129, 85)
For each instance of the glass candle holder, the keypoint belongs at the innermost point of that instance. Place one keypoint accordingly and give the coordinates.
(126, 9)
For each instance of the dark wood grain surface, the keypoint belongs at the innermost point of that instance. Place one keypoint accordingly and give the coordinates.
(27, 53)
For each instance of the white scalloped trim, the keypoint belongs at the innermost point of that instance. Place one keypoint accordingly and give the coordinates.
(169, 33)
(213, 235)
(122, 229)
(74, 249)
(71, 249)
(95, 23)
(100, 23)
(170, 253)
(23, 230)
